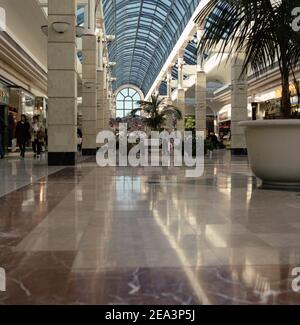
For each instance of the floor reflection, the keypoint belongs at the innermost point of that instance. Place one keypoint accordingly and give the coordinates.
(150, 235)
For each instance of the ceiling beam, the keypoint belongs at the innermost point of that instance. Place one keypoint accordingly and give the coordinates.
(181, 44)
(44, 3)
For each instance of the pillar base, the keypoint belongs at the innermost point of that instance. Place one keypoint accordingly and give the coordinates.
(89, 152)
(62, 158)
(239, 152)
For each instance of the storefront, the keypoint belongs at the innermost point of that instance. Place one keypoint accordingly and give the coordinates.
(224, 121)
(4, 100)
(23, 102)
(269, 102)
(14, 102)
(26, 103)
(40, 109)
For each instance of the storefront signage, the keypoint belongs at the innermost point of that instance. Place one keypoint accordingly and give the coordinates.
(293, 91)
(223, 116)
(2, 20)
(224, 113)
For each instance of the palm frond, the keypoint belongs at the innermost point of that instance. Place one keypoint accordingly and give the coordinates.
(261, 29)
(155, 111)
(172, 111)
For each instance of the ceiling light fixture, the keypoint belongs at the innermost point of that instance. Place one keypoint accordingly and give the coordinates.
(60, 27)
(88, 85)
(110, 38)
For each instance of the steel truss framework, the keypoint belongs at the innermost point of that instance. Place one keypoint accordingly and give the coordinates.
(146, 32)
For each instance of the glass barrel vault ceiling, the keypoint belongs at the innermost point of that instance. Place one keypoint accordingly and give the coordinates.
(146, 32)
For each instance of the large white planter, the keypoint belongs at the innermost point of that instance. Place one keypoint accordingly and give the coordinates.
(274, 151)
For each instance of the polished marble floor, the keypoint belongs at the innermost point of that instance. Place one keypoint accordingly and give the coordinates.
(16, 172)
(91, 235)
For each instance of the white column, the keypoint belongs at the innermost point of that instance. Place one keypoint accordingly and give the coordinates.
(200, 87)
(216, 127)
(62, 84)
(90, 17)
(100, 50)
(169, 81)
(107, 108)
(113, 106)
(100, 84)
(239, 104)
(105, 98)
(108, 111)
(169, 120)
(181, 92)
(180, 71)
(89, 94)
(100, 100)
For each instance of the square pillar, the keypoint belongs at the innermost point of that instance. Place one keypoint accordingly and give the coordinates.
(100, 101)
(169, 84)
(62, 85)
(89, 94)
(200, 113)
(107, 113)
(239, 104)
(181, 92)
(181, 106)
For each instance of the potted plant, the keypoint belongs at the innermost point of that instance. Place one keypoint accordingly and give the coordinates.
(264, 31)
(154, 115)
(155, 112)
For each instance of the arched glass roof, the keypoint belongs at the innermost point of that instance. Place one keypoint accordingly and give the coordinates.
(146, 32)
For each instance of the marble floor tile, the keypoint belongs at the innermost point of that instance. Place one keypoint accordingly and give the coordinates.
(231, 240)
(16, 173)
(91, 235)
(51, 240)
(226, 229)
(295, 225)
(273, 228)
(281, 239)
(258, 256)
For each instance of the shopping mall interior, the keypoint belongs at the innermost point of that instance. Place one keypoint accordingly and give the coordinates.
(75, 232)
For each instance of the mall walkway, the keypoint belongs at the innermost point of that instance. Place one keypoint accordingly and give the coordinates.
(148, 236)
(16, 172)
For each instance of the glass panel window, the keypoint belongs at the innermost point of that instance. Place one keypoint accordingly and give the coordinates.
(146, 33)
(129, 105)
(120, 104)
(126, 101)
(120, 97)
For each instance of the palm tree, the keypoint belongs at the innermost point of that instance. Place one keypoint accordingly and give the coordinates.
(156, 112)
(262, 29)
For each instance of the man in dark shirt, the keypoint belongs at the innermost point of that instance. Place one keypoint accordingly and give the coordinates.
(214, 140)
(23, 134)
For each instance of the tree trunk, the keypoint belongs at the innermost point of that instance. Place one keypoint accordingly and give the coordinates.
(286, 96)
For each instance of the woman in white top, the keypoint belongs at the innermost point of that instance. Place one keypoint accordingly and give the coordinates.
(37, 137)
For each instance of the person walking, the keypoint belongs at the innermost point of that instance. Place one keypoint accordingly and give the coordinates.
(214, 140)
(37, 137)
(79, 139)
(22, 134)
